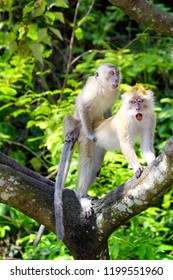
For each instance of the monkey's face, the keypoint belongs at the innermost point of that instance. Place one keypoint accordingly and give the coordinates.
(113, 77)
(108, 76)
(138, 104)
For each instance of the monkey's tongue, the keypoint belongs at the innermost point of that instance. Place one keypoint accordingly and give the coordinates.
(139, 117)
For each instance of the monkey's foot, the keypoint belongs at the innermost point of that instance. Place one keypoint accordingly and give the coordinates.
(87, 206)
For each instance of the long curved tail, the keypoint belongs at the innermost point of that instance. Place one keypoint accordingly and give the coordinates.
(63, 169)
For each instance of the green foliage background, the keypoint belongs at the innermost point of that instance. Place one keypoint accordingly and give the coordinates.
(39, 79)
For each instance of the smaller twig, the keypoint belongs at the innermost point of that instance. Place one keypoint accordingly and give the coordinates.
(83, 54)
(28, 149)
(69, 63)
(87, 14)
(70, 49)
(135, 39)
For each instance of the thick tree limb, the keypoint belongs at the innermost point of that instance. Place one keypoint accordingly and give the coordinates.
(147, 13)
(32, 195)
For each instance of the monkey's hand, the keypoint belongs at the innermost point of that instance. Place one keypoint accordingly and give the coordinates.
(87, 206)
(91, 137)
(139, 171)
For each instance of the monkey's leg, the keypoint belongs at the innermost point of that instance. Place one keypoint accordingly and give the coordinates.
(64, 165)
(91, 158)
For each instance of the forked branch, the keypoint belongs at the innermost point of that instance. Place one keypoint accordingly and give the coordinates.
(33, 195)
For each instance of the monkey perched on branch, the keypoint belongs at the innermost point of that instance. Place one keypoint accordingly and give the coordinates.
(93, 103)
(134, 120)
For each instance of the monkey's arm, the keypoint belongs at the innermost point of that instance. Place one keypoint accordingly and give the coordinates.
(131, 157)
(87, 123)
(64, 165)
(147, 147)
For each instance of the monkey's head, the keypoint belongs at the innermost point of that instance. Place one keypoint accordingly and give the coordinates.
(108, 76)
(138, 102)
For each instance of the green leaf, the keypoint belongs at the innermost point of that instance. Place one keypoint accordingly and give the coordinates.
(141, 251)
(43, 36)
(22, 31)
(32, 32)
(27, 9)
(59, 16)
(56, 32)
(36, 49)
(19, 156)
(7, 92)
(50, 16)
(42, 33)
(79, 33)
(116, 249)
(39, 8)
(36, 163)
(3, 231)
(149, 253)
(165, 248)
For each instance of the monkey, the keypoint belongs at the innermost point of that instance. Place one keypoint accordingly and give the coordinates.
(134, 119)
(94, 102)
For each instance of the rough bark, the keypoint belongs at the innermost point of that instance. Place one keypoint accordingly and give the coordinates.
(147, 13)
(33, 195)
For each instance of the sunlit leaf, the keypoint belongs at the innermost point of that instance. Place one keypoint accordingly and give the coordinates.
(32, 32)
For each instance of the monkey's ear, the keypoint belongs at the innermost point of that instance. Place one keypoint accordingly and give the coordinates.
(96, 74)
(149, 93)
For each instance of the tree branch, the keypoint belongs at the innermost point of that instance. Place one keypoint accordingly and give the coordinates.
(147, 13)
(33, 195)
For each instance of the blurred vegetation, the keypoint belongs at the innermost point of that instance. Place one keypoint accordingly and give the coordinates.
(46, 55)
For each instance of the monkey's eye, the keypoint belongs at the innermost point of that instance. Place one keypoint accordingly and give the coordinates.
(141, 100)
(111, 73)
(132, 101)
(96, 74)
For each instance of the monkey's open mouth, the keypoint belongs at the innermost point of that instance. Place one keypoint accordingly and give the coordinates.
(139, 117)
(114, 86)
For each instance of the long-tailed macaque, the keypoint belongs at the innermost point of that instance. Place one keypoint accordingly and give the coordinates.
(135, 119)
(94, 102)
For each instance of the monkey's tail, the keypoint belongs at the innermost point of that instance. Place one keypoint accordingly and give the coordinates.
(63, 169)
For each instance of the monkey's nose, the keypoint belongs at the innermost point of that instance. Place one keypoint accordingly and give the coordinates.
(138, 108)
